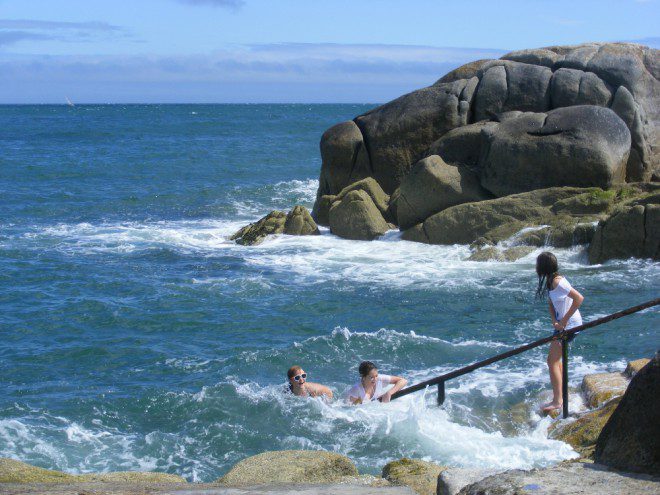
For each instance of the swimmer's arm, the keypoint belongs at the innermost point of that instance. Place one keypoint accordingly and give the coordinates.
(317, 389)
(399, 383)
(577, 302)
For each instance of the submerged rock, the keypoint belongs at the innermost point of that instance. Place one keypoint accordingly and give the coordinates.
(492, 253)
(256, 232)
(290, 466)
(297, 222)
(631, 438)
(419, 475)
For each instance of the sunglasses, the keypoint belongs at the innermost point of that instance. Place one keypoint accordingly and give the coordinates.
(298, 377)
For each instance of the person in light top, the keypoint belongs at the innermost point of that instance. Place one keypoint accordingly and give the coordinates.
(373, 386)
(298, 385)
(563, 302)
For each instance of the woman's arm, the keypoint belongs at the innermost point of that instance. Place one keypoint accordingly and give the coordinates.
(577, 302)
(399, 383)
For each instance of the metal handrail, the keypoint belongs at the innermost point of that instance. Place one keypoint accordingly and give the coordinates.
(440, 380)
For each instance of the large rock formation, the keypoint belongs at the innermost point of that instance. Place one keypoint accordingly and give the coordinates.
(630, 440)
(577, 116)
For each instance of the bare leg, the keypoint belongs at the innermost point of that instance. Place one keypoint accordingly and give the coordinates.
(555, 368)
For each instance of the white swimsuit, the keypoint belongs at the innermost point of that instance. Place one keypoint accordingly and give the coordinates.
(357, 391)
(562, 303)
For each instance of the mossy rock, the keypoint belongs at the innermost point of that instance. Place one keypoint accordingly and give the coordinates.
(290, 466)
(420, 476)
(256, 232)
(131, 477)
(582, 433)
(12, 471)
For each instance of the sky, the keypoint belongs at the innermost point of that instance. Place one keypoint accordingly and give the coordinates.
(280, 51)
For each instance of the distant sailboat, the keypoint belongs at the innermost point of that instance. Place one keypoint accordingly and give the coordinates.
(69, 102)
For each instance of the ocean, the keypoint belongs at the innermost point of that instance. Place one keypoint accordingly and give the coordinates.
(135, 336)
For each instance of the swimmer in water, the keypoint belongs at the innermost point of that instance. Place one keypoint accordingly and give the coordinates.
(298, 385)
(372, 385)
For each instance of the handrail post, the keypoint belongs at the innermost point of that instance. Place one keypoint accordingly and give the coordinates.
(564, 373)
(441, 393)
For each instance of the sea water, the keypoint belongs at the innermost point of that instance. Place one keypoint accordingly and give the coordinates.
(135, 336)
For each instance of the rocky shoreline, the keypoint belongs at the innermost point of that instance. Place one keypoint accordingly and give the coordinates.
(617, 439)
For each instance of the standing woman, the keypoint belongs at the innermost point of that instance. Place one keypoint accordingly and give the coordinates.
(563, 301)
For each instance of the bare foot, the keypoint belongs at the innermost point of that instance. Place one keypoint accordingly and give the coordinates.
(552, 406)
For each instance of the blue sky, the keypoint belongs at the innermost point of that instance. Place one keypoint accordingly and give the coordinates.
(280, 50)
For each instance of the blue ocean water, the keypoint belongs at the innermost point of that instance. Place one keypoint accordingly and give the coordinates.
(134, 335)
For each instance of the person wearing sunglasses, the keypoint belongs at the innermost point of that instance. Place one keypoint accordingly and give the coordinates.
(298, 385)
(373, 386)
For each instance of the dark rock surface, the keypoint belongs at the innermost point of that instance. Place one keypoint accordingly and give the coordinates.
(630, 440)
(357, 217)
(580, 116)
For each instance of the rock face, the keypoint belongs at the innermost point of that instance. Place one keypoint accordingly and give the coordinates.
(432, 186)
(289, 466)
(357, 217)
(421, 476)
(573, 146)
(300, 222)
(599, 388)
(567, 479)
(631, 231)
(582, 433)
(452, 480)
(630, 440)
(297, 222)
(575, 116)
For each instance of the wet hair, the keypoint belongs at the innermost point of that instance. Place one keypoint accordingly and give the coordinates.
(293, 371)
(547, 269)
(366, 367)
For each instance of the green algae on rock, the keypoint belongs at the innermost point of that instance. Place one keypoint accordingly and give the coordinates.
(290, 466)
(419, 475)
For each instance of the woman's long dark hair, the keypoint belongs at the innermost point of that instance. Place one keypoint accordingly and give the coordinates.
(366, 367)
(547, 269)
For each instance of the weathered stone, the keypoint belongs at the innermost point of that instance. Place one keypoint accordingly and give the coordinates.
(582, 433)
(289, 466)
(631, 438)
(300, 222)
(575, 87)
(575, 478)
(506, 85)
(416, 233)
(419, 475)
(494, 254)
(397, 133)
(12, 471)
(631, 231)
(594, 201)
(462, 146)
(579, 146)
(373, 189)
(131, 477)
(599, 388)
(466, 71)
(255, 233)
(635, 366)
(452, 480)
(357, 217)
(539, 56)
(321, 210)
(431, 186)
(344, 158)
